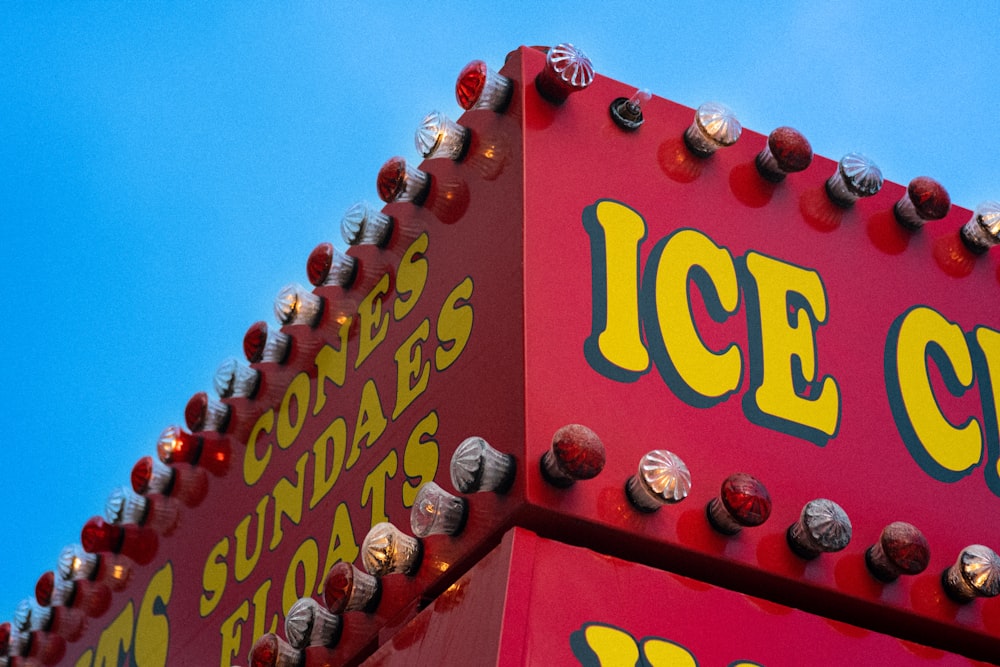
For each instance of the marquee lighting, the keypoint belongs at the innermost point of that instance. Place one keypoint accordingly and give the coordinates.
(309, 624)
(982, 231)
(715, 126)
(440, 136)
(976, 574)
(399, 182)
(743, 502)
(150, 475)
(856, 177)
(925, 200)
(346, 588)
(662, 479)
(476, 466)
(329, 267)
(437, 512)
(234, 379)
(74, 563)
(205, 413)
(627, 111)
(901, 549)
(99, 536)
(387, 550)
(262, 345)
(125, 506)
(177, 446)
(273, 651)
(365, 224)
(823, 526)
(55, 590)
(576, 454)
(567, 70)
(297, 305)
(787, 151)
(479, 87)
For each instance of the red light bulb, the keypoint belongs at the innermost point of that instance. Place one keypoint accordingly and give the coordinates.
(399, 182)
(177, 446)
(925, 200)
(100, 536)
(787, 151)
(576, 454)
(45, 587)
(205, 413)
(567, 70)
(150, 475)
(901, 549)
(742, 502)
(346, 588)
(479, 87)
(263, 346)
(272, 651)
(327, 266)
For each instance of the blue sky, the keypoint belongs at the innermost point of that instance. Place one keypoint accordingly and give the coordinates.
(166, 169)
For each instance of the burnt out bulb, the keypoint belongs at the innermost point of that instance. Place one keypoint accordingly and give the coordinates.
(477, 466)
(567, 70)
(387, 550)
(626, 112)
(234, 379)
(662, 479)
(823, 526)
(308, 623)
(856, 177)
(437, 512)
(365, 224)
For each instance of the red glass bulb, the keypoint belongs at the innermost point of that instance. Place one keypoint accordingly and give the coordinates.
(177, 446)
(398, 182)
(576, 454)
(204, 413)
(479, 87)
(151, 476)
(925, 200)
(254, 341)
(4, 638)
(44, 587)
(329, 266)
(787, 151)
(742, 502)
(272, 651)
(901, 549)
(100, 536)
(346, 588)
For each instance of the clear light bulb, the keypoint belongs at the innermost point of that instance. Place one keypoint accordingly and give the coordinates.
(479, 87)
(476, 466)
(234, 379)
(75, 563)
(662, 479)
(309, 624)
(975, 574)
(440, 137)
(437, 512)
(329, 267)
(567, 70)
(206, 413)
(399, 182)
(901, 549)
(627, 111)
(856, 177)
(823, 527)
(787, 151)
(365, 224)
(982, 231)
(925, 200)
(387, 550)
(177, 446)
(576, 454)
(346, 588)
(297, 305)
(715, 126)
(743, 502)
(264, 345)
(125, 506)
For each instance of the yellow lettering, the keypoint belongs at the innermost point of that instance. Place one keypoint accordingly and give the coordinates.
(304, 560)
(325, 473)
(86, 660)
(373, 323)
(989, 388)
(785, 305)
(420, 458)
(244, 565)
(454, 325)
(665, 653)
(288, 500)
(412, 372)
(152, 627)
(604, 646)
(292, 415)
(232, 634)
(331, 366)
(371, 422)
(259, 602)
(213, 578)
(116, 639)
(253, 467)
(373, 491)
(342, 545)
(411, 277)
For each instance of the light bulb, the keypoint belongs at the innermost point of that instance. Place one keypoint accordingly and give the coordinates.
(273, 651)
(743, 502)
(479, 87)
(297, 305)
(234, 379)
(437, 512)
(365, 224)
(787, 151)
(178, 446)
(75, 563)
(387, 550)
(925, 200)
(975, 574)
(205, 413)
(576, 454)
(125, 506)
(627, 111)
(856, 177)
(662, 479)
(346, 588)
(263, 345)
(440, 137)
(476, 466)
(399, 182)
(567, 70)
(328, 267)
(715, 126)
(823, 526)
(901, 549)
(134, 542)
(309, 624)
(982, 231)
